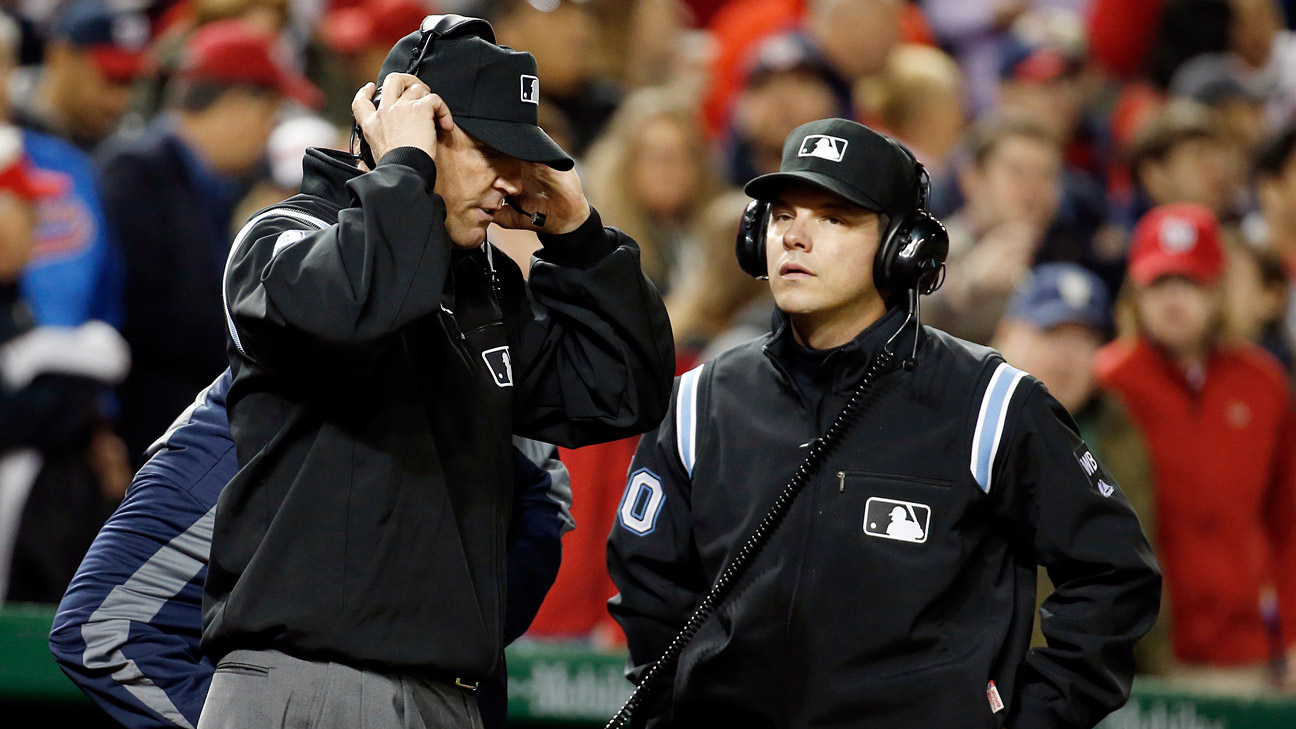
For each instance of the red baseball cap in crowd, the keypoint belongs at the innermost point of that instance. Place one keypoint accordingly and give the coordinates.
(20, 177)
(373, 23)
(233, 52)
(1178, 239)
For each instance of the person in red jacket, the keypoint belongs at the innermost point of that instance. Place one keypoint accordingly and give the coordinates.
(1219, 425)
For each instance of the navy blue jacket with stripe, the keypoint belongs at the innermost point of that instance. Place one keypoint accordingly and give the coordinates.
(128, 630)
(900, 589)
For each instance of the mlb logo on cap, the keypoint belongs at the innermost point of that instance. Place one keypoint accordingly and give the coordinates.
(823, 147)
(1060, 293)
(1178, 236)
(1075, 289)
(531, 89)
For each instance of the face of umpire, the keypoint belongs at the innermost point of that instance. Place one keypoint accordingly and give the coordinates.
(819, 257)
(473, 179)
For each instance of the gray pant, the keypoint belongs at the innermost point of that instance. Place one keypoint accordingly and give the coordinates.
(271, 690)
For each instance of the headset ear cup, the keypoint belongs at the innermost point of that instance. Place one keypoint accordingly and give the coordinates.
(911, 256)
(750, 244)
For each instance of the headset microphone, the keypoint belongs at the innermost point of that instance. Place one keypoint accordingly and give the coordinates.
(537, 219)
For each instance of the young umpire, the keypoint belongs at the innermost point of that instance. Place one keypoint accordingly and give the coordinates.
(900, 589)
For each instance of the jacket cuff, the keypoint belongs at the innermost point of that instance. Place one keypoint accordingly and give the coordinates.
(413, 157)
(582, 247)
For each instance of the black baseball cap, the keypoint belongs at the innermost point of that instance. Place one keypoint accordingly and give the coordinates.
(848, 159)
(493, 93)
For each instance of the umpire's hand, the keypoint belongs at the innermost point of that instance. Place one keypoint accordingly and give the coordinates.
(559, 195)
(408, 115)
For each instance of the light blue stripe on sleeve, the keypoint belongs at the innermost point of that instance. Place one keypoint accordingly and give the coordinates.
(990, 422)
(686, 418)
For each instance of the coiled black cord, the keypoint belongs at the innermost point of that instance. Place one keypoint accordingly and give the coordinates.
(737, 567)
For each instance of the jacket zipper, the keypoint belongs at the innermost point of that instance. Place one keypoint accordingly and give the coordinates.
(312, 217)
(841, 479)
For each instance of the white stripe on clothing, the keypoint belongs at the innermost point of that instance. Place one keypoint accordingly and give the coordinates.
(686, 418)
(299, 216)
(990, 422)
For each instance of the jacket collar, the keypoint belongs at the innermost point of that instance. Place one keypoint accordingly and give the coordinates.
(843, 369)
(325, 173)
(1156, 357)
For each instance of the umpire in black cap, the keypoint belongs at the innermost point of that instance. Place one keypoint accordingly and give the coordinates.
(897, 589)
(384, 354)
(850, 160)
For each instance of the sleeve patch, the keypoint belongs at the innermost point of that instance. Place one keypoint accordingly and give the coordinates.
(642, 502)
(1094, 470)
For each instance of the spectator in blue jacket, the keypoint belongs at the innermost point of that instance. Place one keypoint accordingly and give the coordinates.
(75, 271)
(129, 628)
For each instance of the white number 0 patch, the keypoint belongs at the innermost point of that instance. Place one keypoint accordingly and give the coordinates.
(642, 502)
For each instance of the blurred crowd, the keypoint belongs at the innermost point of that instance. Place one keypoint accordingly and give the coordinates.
(1118, 179)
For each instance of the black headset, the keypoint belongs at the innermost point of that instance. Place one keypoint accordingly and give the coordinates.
(911, 256)
(432, 27)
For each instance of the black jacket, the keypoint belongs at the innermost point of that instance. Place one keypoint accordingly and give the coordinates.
(378, 378)
(903, 580)
(173, 235)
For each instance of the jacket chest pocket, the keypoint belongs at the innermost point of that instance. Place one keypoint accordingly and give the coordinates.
(885, 547)
(896, 523)
(895, 507)
(465, 364)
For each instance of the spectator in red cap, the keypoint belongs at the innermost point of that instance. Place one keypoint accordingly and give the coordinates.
(366, 31)
(170, 194)
(357, 37)
(1220, 430)
(96, 50)
(21, 186)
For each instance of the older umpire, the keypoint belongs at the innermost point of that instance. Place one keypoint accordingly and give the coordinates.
(383, 355)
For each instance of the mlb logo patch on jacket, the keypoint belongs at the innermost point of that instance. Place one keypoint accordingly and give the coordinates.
(903, 521)
(500, 363)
